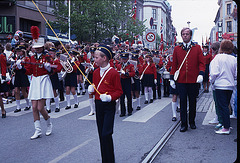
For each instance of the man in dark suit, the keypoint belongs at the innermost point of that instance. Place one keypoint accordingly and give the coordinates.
(191, 73)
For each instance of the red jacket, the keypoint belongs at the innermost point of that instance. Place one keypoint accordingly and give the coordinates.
(3, 64)
(193, 65)
(151, 69)
(128, 69)
(37, 66)
(111, 84)
(207, 59)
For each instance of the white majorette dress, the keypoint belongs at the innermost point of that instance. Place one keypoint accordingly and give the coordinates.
(41, 86)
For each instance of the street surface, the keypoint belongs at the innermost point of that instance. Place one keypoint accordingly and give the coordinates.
(75, 138)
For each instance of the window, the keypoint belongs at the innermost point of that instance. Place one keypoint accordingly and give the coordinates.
(154, 27)
(52, 3)
(25, 24)
(229, 9)
(154, 14)
(229, 26)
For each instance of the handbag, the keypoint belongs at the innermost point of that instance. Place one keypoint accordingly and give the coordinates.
(176, 74)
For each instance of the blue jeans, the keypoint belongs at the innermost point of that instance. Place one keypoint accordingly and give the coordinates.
(223, 100)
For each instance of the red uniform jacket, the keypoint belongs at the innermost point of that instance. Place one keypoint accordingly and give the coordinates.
(3, 64)
(35, 69)
(56, 61)
(151, 69)
(128, 69)
(110, 84)
(207, 59)
(193, 65)
(169, 64)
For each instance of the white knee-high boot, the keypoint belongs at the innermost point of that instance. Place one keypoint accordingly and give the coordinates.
(38, 130)
(49, 127)
(174, 108)
(91, 102)
(146, 93)
(48, 104)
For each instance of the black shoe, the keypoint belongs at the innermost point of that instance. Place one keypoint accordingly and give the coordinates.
(27, 108)
(4, 115)
(154, 98)
(76, 106)
(78, 94)
(146, 102)
(68, 107)
(138, 108)
(178, 109)
(57, 110)
(174, 119)
(83, 93)
(129, 114)
(183, 129)
(151, 101)
(49, 111)
(159, 97)
(193, 126)
(121, 115)
(17, 110)
(62, 99)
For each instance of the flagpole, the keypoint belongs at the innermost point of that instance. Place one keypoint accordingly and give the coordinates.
(69, 31)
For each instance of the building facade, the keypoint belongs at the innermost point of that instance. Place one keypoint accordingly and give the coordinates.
(225, 22)
(21, 15)
(160, 11)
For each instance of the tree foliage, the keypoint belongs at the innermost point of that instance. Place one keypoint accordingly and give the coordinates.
(97, 20)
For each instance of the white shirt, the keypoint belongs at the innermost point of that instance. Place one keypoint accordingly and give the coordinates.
(102, 70)
(223, 71)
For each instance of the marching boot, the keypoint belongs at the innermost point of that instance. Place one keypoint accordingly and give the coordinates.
(49, 127)
(38, 132)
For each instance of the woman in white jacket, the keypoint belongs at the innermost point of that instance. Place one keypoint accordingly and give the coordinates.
(223, 72)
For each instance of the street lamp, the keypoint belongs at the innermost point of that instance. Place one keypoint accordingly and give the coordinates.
(188, 24)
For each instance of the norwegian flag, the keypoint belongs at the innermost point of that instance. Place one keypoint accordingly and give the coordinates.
(134, 10)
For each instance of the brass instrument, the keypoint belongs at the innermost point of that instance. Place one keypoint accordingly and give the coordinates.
(64, 61)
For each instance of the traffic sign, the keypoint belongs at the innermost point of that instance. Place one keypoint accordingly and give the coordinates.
(150, 37)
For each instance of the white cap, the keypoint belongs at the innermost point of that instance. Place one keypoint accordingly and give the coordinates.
(38, 43)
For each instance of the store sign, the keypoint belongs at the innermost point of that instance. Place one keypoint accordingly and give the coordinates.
(220, 31)
(7, 24)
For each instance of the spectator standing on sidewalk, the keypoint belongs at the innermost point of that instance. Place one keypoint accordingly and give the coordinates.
(223, 72)
(218, 119)
(191, 73)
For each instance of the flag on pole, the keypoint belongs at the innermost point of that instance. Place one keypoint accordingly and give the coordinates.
(134, 10)
(161, 42)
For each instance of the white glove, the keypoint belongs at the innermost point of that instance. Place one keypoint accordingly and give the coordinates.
(148, 63)
(2, 81)
(90, 89)
(172, 84)
(122, 72)
(199, 79)
(155, 81)
(73, 60)
(105, 98)
(47, 66)
(18, 63)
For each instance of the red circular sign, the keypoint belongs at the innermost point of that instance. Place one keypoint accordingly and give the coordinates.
(150, 37)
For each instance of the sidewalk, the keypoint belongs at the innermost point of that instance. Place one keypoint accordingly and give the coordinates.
(201, 145)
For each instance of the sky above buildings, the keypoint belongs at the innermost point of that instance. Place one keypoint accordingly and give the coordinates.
(200, 13)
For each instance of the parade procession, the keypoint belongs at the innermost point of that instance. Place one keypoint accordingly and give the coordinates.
(159, 95)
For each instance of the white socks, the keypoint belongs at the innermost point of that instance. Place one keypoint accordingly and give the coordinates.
(75, 99)
(92, 107)
(18, 104)
(56, 99)
(78, 88)
(68, 100)
(174, 107)
(83, 87)
(138, 101)
(48, 103)
(27, 102)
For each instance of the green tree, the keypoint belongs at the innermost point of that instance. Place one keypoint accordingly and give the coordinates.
(96, 20)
